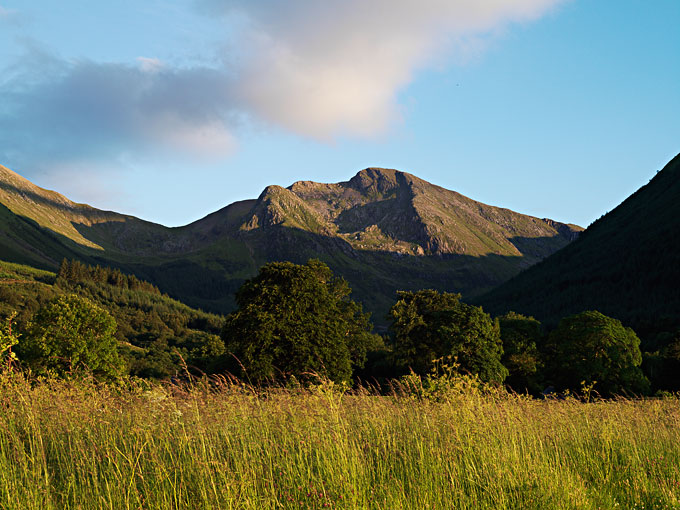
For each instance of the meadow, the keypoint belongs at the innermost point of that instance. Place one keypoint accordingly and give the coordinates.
(222, 444)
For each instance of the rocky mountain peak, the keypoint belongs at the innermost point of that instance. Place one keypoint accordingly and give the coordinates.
(378, 180)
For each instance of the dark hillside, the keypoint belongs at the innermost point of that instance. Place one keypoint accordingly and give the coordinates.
(626, 265)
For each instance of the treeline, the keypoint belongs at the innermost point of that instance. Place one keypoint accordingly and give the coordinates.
(298, 321)
(586, 351)
(74, 271)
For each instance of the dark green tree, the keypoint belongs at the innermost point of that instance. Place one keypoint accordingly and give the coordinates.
(670, 355)
(296, 319)
(71, 333)
(203, 350)
(521, 336)
(428, 325)
(663, 365)
(591, 348)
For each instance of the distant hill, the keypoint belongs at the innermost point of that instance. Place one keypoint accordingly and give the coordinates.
(626, 265)
(383, 230)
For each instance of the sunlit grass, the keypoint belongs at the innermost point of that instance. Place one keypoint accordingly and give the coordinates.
(78, 445)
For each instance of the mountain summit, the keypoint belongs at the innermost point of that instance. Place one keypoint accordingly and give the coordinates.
(383, 230)
(392, 211)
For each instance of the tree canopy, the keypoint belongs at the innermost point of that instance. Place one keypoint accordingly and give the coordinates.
(295, 319)
(428, 325)
(521, 336)
(591, 348)
(71, 333)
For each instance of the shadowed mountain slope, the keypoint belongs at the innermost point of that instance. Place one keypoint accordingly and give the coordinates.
(626, 265)
(383, 230)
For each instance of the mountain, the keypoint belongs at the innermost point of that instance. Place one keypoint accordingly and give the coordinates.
(626, 265)
(382, 230)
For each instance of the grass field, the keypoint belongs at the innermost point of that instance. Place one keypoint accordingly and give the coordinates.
(76, 445)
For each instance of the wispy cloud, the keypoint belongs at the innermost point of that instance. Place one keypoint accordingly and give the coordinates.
(150, 65)
(54, 109)
(11, 17)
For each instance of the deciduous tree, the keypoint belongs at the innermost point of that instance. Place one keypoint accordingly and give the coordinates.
(296, 319)
(71, 333)
(591, 348)
(428, 325)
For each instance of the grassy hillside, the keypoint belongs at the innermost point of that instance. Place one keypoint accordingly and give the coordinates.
(24, 241)
(626, 265)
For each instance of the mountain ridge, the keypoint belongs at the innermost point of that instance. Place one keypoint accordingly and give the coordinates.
(374, 187)
(383, 230)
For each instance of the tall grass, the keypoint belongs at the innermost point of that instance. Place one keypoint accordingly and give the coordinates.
(77, 445)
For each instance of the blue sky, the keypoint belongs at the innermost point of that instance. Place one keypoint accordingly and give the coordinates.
(170, 110)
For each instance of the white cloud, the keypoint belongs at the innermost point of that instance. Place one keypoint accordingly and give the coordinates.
(321, 69)
(207, 140)
(150, 65)
(335, 67)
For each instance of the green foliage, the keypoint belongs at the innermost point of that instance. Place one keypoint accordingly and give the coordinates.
(663, 365)
(416, 343)
(72, 333)
(427, 325)
(8, 340)
(296, 319)
(203, 350)
(591, 348)
(521, 357)
(74, 271)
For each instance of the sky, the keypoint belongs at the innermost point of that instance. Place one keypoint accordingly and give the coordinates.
(170, 110)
